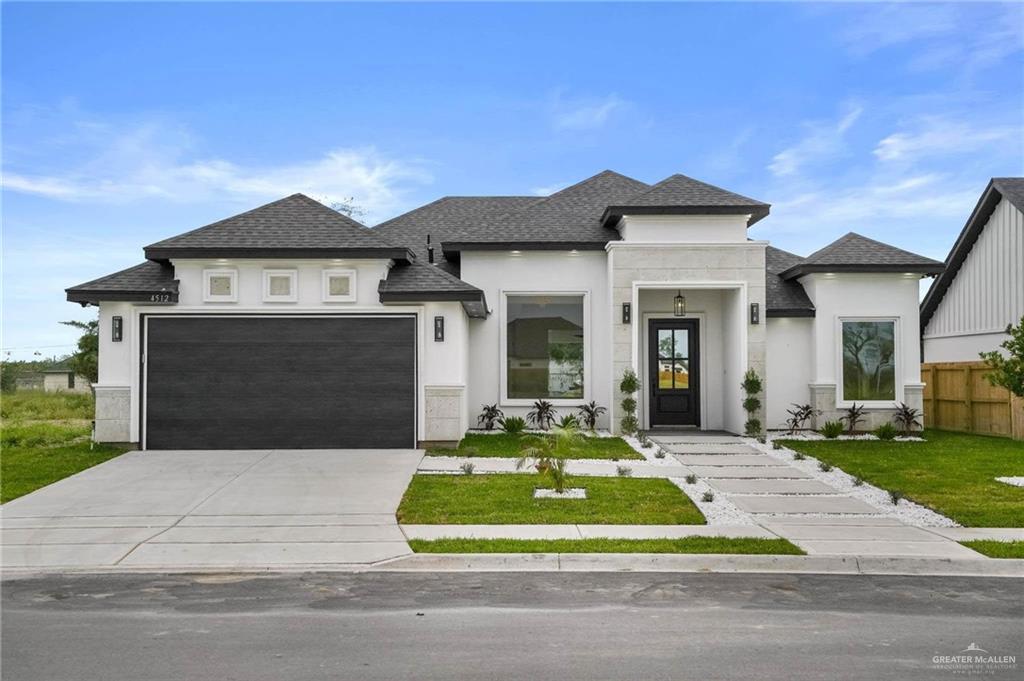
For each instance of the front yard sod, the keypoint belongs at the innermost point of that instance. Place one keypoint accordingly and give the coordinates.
(996, 549)
(779, 547)
(507, 499)
(951, 473)
(510, 446)
(45, 438)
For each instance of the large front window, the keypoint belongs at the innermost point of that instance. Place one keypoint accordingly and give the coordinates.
(544, 346)
(869, 360)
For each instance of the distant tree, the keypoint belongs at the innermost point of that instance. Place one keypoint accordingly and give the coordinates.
(347, 207)
(1008, 371)
(8, 378)
(85, 360)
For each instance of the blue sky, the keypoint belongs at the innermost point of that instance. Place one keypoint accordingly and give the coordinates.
(127, 123)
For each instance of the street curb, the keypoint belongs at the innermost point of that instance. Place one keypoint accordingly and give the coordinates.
(592, 562)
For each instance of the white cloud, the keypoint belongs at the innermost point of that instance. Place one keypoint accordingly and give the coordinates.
(585, 114)
(943, 137)
(550, 189)
(138, 164)
(821, 141)
(880, 26)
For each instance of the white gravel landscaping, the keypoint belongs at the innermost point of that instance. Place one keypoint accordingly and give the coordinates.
(815, 435)
(1014, 480)
(568, 493)
(721, 511)
(651, 453)
(905, 511)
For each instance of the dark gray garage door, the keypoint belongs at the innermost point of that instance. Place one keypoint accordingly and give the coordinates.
(280, 382)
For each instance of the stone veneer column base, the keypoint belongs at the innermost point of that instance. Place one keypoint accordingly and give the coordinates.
(444, 409)
(113, 413)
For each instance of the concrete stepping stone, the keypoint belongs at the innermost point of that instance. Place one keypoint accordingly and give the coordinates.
(777, 486)
(672, 531)
(696, 439)
(917, 549)
(709, 449)
(971, 533)
(728, 460)
(779, 524)
(857, 533)
(722, 472)
(801, 504)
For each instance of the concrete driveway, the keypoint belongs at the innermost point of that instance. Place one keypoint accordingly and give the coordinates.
(215, 509)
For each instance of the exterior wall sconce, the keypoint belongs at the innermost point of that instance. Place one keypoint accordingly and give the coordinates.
(116, 329)
(755, 313)
(679, 305)
(439, 329)
(627, 313)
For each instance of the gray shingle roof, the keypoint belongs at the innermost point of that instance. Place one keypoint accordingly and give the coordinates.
(784, 298)
(568, 218)
(419, 281)
(679, 194)
(1009, 188)
(135, 283)
(855, 253)
(448, 215)
(295, 226)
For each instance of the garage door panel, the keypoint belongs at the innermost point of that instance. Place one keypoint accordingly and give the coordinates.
(288, 382)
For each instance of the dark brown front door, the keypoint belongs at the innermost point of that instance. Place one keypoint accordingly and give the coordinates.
(674, 375)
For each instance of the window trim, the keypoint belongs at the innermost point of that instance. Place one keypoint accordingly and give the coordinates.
(220, 272)
(325, 284)
(503, 397)
(292, 297)
(841, 401)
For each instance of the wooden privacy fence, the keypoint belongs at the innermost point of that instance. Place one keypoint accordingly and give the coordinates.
(957, 397)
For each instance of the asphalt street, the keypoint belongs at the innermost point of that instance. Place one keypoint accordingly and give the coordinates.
(453, 626)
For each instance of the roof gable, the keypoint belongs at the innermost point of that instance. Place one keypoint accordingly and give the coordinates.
(138, 283)
(295, 226)
(784, 298)
(853, 252)
(999, 188)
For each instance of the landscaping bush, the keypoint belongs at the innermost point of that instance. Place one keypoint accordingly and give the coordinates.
(853, 416)
(906, 417)
(490, 414)
(832, 429)
(752, 387)
(886, 431)
(627, 386)
(799, 415)
(513, 425)
(589, 413)
(542, 415)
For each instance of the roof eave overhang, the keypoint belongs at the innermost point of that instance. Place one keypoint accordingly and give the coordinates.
(801, 270)
(613, 214)
(474, 302)
(459, 246)
(94, 297)
(164, 253)
(789, 312)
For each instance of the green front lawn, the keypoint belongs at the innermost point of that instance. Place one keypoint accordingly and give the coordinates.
(508, 499)
(685, 545)
(45, 438)
(951, 473)
(997, 549)
(504, 445)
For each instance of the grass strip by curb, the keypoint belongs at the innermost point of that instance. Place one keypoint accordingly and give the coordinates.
(510, 446)
(707, 545)
(994, 548)
(508, 499)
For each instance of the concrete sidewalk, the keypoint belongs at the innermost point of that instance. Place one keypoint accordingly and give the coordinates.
(431, 532)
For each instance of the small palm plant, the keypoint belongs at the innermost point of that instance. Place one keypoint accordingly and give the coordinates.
(569, 421)
(548, 454)
(854, 415)
(906, 417)
(513, 425)
(542, 415)
(589, 413)
(488, 416)
(798, 416)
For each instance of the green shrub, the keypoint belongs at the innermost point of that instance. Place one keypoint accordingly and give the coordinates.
(886, 431)
(832, 429)
(628, 405)
(752, 427)
(824, 466)
(467, 468)
(624, 471)
(895, 496)
(708, 497)
(751, 404)
(691, 479)
(629, 424)
(629, 383)
(513, 425)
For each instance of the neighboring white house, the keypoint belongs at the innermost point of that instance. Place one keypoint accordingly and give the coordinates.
(64, 380)
(981, 292)
(294, 326)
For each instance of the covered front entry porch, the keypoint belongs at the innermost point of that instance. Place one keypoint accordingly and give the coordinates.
(690, 348)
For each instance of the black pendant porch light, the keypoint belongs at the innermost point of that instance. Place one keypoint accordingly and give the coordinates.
(679, 305)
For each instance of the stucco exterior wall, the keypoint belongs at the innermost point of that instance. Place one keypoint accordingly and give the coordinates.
(739, 268)
(790, 349)
(441, 366)
(58, 383)
(695, 229)
(863, 296)
(501, 272)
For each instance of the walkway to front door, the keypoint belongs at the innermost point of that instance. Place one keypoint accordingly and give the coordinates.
(674, 372)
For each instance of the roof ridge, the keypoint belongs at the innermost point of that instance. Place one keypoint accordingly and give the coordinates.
(675, 176)
(604, 173)
(230, 217)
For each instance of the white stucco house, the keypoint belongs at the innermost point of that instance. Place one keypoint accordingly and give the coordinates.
(981, 292)
(62, 379)
(292, 325)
